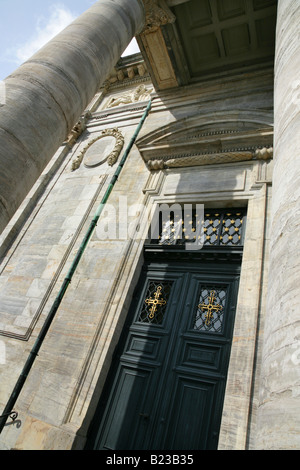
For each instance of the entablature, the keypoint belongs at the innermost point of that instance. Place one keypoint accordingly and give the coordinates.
(186, 40)
(207, 140)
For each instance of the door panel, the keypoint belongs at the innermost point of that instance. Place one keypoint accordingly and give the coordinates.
(192, 406)
(168, 389)
(200, 355)
(124, 413)
(127, 419)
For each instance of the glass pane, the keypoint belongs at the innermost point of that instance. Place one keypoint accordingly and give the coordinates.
(210, 309)
(155, 303)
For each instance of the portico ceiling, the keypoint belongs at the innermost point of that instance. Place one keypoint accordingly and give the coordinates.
(204, 37)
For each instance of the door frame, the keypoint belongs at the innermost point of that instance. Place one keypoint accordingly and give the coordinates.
(173, 261)
(255, 195)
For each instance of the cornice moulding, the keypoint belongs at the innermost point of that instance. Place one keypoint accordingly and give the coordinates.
(194, 145)
(209, 159)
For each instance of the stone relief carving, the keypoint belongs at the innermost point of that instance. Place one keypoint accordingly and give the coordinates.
(157, 14)
(141, 93)
(111, 158)
(192, 143)
(264, 153)
(77, 130)
(211, 159)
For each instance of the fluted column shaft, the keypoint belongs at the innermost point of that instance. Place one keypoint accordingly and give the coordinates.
(47, 94)
(279, 418)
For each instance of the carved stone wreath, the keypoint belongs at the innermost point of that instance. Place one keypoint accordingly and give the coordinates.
(111, 158)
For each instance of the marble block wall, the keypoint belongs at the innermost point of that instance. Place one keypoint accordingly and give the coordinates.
(38, 246)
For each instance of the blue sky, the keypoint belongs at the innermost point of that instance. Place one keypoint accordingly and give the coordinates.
(26, 25)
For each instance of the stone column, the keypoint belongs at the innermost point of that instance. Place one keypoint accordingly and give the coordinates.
(278, 415)
(47, 94)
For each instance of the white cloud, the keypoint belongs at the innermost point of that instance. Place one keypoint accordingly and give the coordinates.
(46, 29)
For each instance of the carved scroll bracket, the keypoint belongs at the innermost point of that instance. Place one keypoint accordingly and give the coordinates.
(154, 47)
(77, 130)
(264, 153)
(157, 14)
(111, 158)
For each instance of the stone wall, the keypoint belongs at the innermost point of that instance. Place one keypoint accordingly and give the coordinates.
(61, 392)
(46, 95)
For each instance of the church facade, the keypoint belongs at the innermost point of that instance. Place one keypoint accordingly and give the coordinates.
(160, 230)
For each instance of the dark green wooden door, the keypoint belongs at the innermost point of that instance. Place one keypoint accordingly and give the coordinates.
(168, 381)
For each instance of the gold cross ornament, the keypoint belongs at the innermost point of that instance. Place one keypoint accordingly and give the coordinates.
(155, 302)
(210, 307)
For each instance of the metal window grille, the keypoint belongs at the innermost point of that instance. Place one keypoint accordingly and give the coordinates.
(155, 302)
(219, 228)
(210, 309)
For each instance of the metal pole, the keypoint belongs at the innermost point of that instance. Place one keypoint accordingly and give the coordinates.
(8, 410)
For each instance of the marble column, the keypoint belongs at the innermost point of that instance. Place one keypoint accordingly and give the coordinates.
(278, 414)
(48, 93)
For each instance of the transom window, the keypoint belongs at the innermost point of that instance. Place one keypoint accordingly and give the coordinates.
(218, 227)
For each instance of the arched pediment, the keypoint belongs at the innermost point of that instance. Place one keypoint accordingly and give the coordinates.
(209, 139)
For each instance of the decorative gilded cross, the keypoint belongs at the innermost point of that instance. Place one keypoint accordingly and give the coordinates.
(210, 307)
(155, 302)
